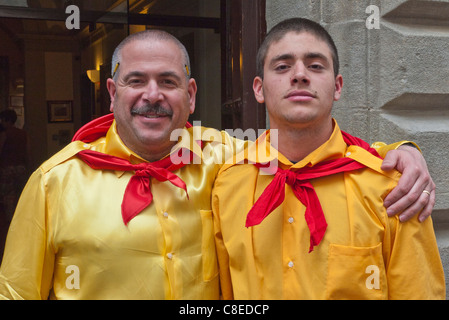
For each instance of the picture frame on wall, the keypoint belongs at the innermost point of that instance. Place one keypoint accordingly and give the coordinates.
(16, 101)
(60, 111)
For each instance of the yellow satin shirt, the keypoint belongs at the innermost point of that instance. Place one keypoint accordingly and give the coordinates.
(67, 239)
(364, 253)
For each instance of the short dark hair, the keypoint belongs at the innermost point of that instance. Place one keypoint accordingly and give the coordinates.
(8, 115)
(295, 25)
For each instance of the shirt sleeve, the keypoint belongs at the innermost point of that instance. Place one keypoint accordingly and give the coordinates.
(382, 148)
(222, 254)
(414, 268)
(27, 265)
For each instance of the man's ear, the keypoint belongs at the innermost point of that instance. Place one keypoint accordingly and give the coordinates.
(110, 84)
(338, 87)
(192, 94)
(258, 89)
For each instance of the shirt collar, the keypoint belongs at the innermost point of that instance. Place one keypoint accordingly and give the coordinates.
(263, 152)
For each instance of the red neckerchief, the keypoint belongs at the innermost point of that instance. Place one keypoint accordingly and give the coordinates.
(274, 193)
(94, 129)
(138, 194)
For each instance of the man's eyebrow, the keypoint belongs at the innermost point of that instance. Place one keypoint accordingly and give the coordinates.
(285, 56)
(142, 74)
(291, 56)
(316, 55)
(170, 74)
(133, 74)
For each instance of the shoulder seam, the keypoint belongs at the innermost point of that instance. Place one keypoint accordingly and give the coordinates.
(374, 163)
(68, 152)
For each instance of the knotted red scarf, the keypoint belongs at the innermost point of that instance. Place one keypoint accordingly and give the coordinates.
(274, 194)
(138, 194)
(138, 191)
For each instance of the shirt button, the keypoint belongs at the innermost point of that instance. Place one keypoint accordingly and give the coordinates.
(86, 145)
(170, 255)
(290, 264)
(290, 220)
(165, 214)
(348, 154)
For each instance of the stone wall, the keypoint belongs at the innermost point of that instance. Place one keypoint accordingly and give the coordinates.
(396, 78)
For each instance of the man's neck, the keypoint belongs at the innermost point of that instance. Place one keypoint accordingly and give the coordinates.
(296, 144)
(154, 155)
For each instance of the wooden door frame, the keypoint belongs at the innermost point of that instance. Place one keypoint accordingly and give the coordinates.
(243, 28)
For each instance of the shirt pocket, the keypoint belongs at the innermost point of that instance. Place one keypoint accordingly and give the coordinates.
(356, 273)
(209, 256)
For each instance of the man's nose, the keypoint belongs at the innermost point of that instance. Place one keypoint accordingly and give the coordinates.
(152, 92)
(300, 74)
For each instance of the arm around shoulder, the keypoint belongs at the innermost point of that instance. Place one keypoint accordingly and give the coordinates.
(382, 148)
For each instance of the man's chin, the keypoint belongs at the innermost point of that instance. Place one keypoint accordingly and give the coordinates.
(156, 139)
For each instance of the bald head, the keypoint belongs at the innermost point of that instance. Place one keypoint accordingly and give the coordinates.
(148, 35)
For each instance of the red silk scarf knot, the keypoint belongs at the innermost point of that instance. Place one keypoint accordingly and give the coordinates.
(137, 194)
(299, 180)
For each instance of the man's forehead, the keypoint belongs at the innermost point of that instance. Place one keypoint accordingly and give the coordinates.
(151, 44)
(305, 35)
(309, 43)
(141, 51)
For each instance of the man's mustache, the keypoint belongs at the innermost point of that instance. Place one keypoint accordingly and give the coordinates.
(149, 108)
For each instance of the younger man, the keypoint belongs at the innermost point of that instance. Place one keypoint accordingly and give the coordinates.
(316, 227)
